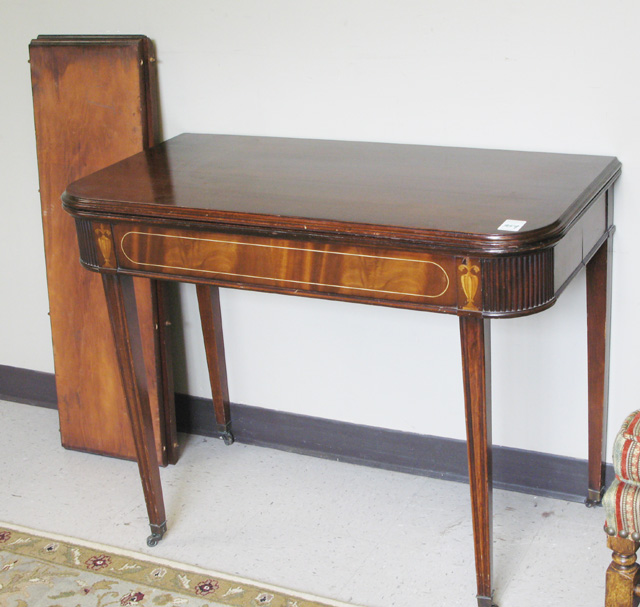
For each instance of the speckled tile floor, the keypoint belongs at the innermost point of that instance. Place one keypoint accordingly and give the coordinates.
(364, 536)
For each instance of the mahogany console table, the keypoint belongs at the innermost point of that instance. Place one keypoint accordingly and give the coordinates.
(476, 233)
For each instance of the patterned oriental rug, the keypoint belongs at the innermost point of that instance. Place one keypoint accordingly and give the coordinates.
(42, 570)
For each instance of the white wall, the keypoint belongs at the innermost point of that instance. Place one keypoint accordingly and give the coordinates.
(533, 75)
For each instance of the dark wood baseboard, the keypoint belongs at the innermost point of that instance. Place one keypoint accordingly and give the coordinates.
(513, 469)
(530, 472)
(28, 386)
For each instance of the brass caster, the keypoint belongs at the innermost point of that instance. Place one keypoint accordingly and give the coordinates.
(157, 531)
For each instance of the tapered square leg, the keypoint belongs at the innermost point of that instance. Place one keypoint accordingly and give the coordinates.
(211, 320)
(598, 332)
(165, 366)
(121, 302)
(475, 338)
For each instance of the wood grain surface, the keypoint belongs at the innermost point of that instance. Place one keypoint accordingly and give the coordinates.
(623, 574)
(93, 106)
(438, 195)
(278, 263)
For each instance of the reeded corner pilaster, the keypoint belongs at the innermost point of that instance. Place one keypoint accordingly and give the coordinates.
(518, 284)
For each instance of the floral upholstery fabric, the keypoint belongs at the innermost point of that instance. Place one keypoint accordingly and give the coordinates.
(622, 499)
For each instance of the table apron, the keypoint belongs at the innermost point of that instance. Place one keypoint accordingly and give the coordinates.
(284, 264)
(508, 285)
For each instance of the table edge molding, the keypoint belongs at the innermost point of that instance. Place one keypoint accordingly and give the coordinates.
(300, 227)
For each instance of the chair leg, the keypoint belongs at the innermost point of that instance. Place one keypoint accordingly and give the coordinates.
(623, 573)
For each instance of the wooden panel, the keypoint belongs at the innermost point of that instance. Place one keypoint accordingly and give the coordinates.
(567, 257)
(571, 252)
(278, 263)
(93, 106)
(594, 224)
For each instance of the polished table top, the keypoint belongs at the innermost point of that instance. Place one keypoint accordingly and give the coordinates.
(453, 197)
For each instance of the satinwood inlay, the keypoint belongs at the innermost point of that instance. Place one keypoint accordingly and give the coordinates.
(470, 282)
(383, 273)
(105, 244)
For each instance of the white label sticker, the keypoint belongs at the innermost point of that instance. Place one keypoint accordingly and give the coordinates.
(511, 225)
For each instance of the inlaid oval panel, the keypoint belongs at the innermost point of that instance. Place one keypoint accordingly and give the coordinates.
(289, 265)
